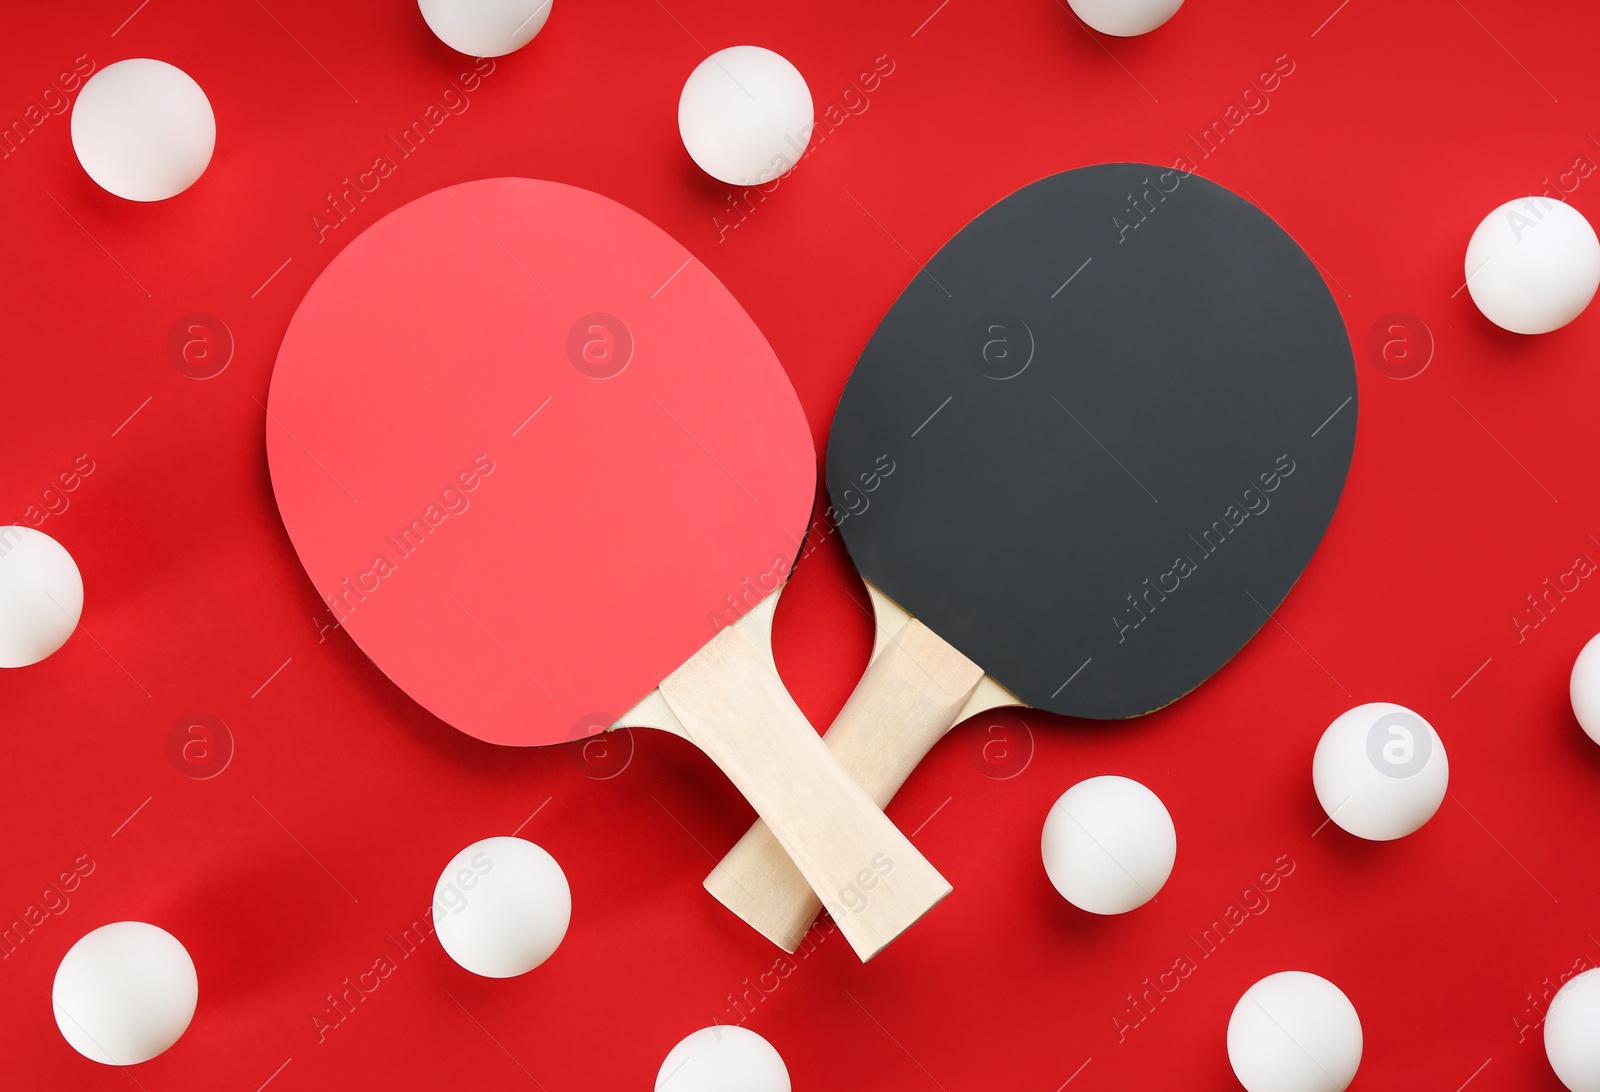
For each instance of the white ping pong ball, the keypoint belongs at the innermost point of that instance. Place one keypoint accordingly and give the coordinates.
(501, 907)
(1380, 771)
(1294, 1032)
(1125, 18)
(485, 28)
(143, 129)
(723, 1058)
(745, 115)
(1533, 265)
(41, 596)
(1585, 688)
(1108, 845)
(1572, 1033)
(124, 993)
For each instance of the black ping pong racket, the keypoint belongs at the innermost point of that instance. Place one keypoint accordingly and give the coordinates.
(1085, 455)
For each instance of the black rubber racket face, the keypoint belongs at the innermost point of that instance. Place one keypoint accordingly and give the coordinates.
(1116, 413)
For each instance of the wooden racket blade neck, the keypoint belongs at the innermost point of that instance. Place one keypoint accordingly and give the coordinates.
(653, 710)
(988, 695)
(892, 619)
(732, 705)
(889, 618)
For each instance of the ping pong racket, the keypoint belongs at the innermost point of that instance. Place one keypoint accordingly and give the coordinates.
(1085, 455)
(538, 462)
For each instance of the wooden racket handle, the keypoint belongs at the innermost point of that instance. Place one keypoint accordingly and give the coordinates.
(732, 704)
(912, 692)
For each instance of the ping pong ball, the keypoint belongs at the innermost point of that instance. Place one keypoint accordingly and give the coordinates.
(745, 115)
(485, 28)
(143, 129)
(724, 1058)
(1572, 1033)
(1125, 18)
(124, 993)
(1585, 688)
(1108, 845)
(501, 907)
(1294, 1032)
(41, 596)
(1380, 771)
(1533, 265)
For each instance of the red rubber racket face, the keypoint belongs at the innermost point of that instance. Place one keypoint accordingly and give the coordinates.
(533, 455)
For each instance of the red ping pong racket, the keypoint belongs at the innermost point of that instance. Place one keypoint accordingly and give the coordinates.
(1086, 453)
(538, 461)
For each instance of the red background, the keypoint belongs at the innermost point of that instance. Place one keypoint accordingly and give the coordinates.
(1399, 128)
